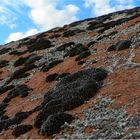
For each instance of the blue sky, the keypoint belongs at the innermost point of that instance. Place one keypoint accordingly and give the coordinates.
(21, 18)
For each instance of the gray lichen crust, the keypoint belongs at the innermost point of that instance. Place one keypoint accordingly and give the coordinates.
(107, 122)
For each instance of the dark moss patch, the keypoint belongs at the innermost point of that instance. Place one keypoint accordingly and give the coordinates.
(18, 53)
(106, 36)
(55, 76)
(94, 25)
(44, 114)
(5, 124)
(19, 116)
(121, 45)
(80, 62)
(21, 129)
(39, 44)
(111, 48)
(3, 117)
(91, 43)
(3, 63)
(4, 50)
(26, 60)
(52, 64)
(113, 33)
(21, 73)
(62, 75)
(70, 92)
(51, 77)
(20, 61)
(83, 55)
(101, 37)
(20, 90)
(79, 48)
(35, 109)
(27, 42)
(75, 23)
(33, 58)
(112, 24)
(54, 123)
(4, 89)
(64, 46)
(72, 84)
(2, 107)
(41, 35)
(24, 75)
(55, 36)
(72, 32)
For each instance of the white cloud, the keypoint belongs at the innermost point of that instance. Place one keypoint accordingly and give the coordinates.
(19, 35)
(100, 7)
(46, 15)
(7, 16)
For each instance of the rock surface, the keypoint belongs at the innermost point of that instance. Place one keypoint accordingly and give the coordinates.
(81, 81)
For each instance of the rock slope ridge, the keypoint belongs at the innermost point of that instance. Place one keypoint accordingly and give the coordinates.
(80, 81)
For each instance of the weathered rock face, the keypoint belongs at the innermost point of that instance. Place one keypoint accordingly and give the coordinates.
(81, 81)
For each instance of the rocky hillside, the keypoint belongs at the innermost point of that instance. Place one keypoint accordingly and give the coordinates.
(78, 81)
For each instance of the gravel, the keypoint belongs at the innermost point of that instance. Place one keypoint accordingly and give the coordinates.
(108, 122)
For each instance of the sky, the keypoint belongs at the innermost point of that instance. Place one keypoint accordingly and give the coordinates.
(22, 18)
